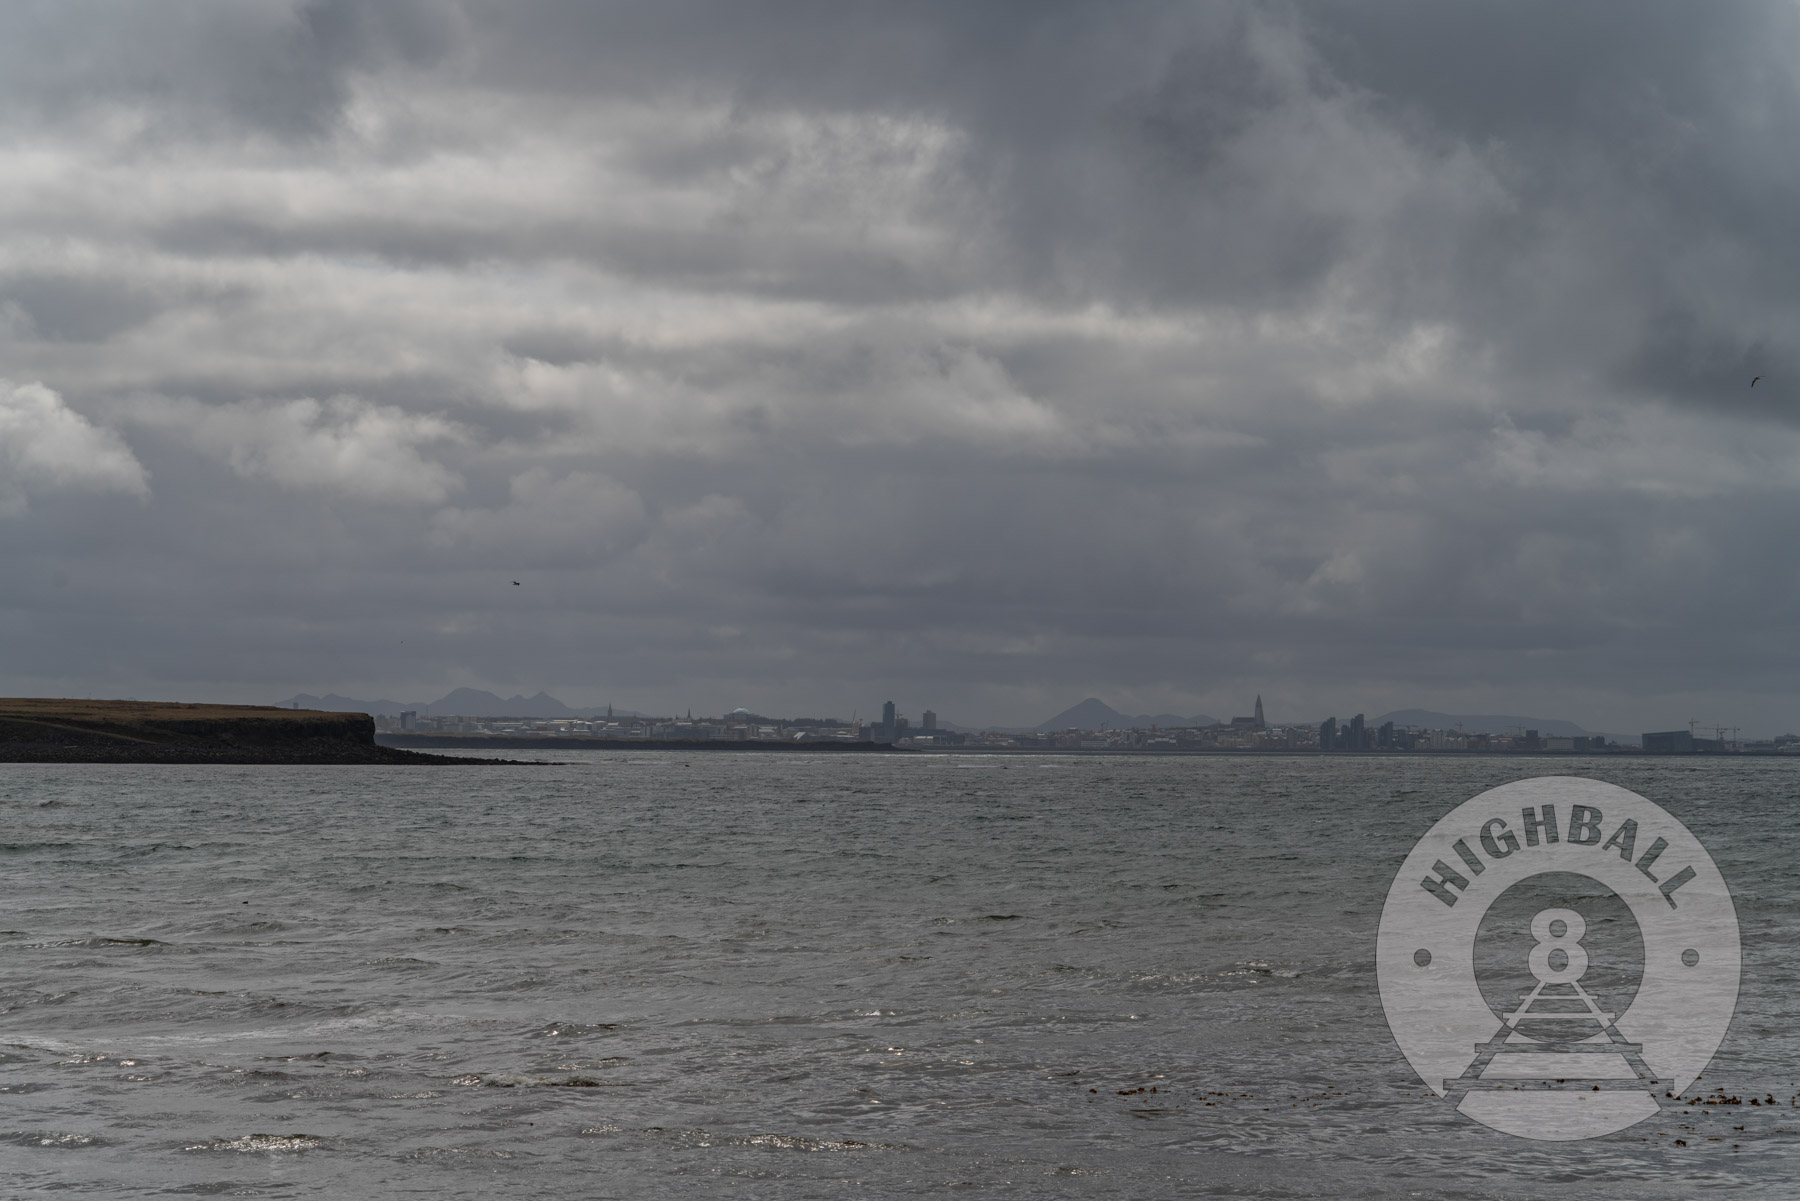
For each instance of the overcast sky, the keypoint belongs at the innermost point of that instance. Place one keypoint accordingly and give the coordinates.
(977, 356)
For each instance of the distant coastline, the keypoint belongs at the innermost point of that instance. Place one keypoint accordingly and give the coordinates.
(500, 743)
(1089, 725)
(576, 742)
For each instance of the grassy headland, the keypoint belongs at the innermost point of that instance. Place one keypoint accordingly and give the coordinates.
(52, 730)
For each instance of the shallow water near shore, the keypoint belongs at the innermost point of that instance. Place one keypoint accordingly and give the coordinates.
(643, 974)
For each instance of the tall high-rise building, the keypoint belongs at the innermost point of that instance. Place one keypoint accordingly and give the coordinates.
(929, 720)
(887, 715)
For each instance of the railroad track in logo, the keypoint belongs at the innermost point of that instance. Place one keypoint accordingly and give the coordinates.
(1573, 1004)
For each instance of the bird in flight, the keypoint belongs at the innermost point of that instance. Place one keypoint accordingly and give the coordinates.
(1753, 380)
(516, 583)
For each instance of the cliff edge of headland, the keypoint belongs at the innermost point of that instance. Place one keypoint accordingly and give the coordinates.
(53, 730)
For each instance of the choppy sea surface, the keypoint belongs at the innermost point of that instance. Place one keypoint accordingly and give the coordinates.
(746, 975)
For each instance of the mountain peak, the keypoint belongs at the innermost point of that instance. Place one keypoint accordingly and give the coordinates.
(459, 702)
(1094, 713)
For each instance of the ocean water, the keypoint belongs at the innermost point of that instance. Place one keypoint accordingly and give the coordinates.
(743, 975)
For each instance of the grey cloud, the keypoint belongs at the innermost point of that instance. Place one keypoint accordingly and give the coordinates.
(1685, 357)
(74, 309)
(1363, 355)
(209, 66)
(45, 446)
(341, 445)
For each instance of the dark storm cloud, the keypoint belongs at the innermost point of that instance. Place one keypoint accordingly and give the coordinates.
(208, 66)
(795, 353)
(1232, 153)
(61, 308)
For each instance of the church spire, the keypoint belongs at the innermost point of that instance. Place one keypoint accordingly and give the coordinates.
(1259, 712)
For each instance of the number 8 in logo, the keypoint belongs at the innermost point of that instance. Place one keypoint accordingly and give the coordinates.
(1558, 957)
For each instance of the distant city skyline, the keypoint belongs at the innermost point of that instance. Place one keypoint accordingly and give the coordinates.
(1017, 717)
(1089, 714)
(1090, 726)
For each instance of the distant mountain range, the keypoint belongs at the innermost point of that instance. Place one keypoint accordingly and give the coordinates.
(462, 702)
(1093, 714)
